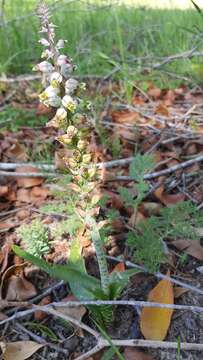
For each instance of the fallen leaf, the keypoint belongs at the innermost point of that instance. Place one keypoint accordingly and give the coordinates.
(14, 286)
(16, 152)
(27, 182)
(39, 193)
(134, 354)
(75, 312)
(3, 190)
(168, 199)
(120, 267)
(19, 350)
(162, 110)
(39, 314)
(154, 92)
(23, 195)
(192, 248)
(179, 291)
(156, 321)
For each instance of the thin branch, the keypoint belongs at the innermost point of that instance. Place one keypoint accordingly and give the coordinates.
(159, 275)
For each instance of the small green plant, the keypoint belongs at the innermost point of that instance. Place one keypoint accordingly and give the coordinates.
(177, 221)
(35, 236)
(139, 166)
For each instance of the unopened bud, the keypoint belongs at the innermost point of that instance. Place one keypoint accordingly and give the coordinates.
(86, 158)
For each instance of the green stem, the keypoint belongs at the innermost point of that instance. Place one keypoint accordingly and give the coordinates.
(95, 235)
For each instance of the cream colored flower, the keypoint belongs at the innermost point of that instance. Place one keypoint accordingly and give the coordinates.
(69, 103)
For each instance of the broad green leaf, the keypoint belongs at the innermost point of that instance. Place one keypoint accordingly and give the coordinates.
(69, 273)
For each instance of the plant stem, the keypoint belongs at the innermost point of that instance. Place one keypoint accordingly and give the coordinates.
(102, 262)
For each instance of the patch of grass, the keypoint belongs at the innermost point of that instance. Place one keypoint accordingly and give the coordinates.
(12, 118)
(93, 29)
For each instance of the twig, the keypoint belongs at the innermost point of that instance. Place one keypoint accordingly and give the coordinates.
(28, 174)
(13, 166)
(109, 164)
(159, 275)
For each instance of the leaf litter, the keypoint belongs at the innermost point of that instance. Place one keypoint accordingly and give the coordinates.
(165, 123)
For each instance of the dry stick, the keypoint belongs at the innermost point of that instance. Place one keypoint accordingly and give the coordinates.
(159, 275)
(51, 306)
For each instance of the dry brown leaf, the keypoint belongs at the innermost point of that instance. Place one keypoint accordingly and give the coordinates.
(38, 193)
(75, 312)
(16, 152)
(179, 291)
(27, 182)
(3, 190)
(23, 195)
(162, 110)
(156, 321)
(6, 225)
(19, 350)
(192, 248)
(41, 315)
(134, 354)
(168, 199)
(154, 92)
(120, 267)
(14, 286)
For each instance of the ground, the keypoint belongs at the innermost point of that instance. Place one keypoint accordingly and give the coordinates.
(168, 123)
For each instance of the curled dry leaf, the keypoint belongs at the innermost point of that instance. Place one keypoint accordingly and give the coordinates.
(27, 182)
(19, 350)
(168, 199)
(14, 286)
(192, 248)
(156, 321)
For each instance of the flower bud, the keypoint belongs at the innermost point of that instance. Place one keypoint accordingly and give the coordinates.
(81, 145)
(72, 131)
(92, 171)
(72, 163)
(86, 158)
(44, 42)
(64, 139)
(60, 44)
(44, 66)
(69, 103)
(62, 60)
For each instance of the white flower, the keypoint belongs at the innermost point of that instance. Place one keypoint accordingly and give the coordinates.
(60, 44)
(69, 103)
(56, 78)
(50, 96)
(44, 66)
(52, 90)
(61, 114)
(66, 70)
(44, 42)
(71, 85)
(62, 59)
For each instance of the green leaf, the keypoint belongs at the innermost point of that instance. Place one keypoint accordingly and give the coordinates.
(118, 280)
(126, 196)
(46, 331)
(88, 284)
(140, 165)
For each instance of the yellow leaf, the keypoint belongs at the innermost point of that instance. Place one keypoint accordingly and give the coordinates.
(156, 321)
(19, 350)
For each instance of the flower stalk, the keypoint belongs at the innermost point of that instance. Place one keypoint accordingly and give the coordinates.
(63, 93)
